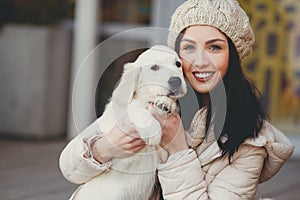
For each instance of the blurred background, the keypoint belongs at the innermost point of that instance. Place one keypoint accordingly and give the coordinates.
(43, 43)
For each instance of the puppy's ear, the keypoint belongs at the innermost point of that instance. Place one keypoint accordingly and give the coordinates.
(124, 92)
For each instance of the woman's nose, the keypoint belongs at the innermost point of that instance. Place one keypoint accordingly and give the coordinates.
(201, 59)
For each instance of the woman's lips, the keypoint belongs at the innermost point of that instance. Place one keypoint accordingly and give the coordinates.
(203, 76)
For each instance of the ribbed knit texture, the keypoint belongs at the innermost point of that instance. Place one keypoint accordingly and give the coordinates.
(226, 15)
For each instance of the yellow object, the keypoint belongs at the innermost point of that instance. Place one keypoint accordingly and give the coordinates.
(274, 64)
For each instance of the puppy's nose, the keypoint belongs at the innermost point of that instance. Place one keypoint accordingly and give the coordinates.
(174, 82)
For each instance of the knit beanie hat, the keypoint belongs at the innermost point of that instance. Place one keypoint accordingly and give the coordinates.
(226, 15)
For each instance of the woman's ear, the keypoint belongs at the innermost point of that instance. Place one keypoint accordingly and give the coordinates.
(124, 92)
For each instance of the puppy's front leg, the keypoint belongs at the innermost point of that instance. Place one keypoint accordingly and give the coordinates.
(147, 126)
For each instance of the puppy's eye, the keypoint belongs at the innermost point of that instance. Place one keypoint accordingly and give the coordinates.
(155, 67)
(178, 64)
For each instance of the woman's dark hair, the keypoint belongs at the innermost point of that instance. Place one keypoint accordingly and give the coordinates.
(244, 116)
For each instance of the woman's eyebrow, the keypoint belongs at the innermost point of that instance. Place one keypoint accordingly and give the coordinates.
(188, 40)
(215, 40)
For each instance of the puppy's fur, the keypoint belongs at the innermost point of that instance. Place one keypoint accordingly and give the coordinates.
(155, 77)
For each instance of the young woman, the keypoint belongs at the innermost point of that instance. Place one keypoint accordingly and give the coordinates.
(230, 147)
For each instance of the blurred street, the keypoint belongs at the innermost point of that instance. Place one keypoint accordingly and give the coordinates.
(29, 171)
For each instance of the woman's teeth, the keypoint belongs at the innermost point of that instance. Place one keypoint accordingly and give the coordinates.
(203, 75)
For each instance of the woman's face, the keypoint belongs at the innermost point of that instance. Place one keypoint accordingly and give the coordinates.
(205, 56)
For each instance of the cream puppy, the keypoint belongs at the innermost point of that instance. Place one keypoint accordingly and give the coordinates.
(156, 77)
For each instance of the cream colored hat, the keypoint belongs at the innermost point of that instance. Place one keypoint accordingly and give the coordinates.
(226, 15)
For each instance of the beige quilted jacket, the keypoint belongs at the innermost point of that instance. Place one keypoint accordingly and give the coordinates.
(199, 172)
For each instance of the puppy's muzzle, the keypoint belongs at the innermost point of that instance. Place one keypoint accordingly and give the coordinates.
(175, 85)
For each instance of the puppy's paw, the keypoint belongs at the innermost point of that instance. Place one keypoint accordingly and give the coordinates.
(164, 105)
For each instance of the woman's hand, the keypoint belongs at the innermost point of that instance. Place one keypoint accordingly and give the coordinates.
(117, 144)
(173, 136)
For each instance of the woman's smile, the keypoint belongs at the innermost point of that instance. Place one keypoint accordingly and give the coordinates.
(203, 76)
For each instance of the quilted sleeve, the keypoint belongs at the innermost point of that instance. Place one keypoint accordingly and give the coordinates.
(76, 161)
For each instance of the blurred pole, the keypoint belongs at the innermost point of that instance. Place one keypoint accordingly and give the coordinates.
(84, 40)
(161, 12)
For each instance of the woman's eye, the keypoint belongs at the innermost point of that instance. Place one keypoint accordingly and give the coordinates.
(214, 47)
(188, 47)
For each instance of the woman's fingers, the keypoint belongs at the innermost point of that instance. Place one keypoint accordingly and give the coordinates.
(170, 129)
(130, 143)
(136, 146)
(119, 143)
(125, 143)
(173, 137)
